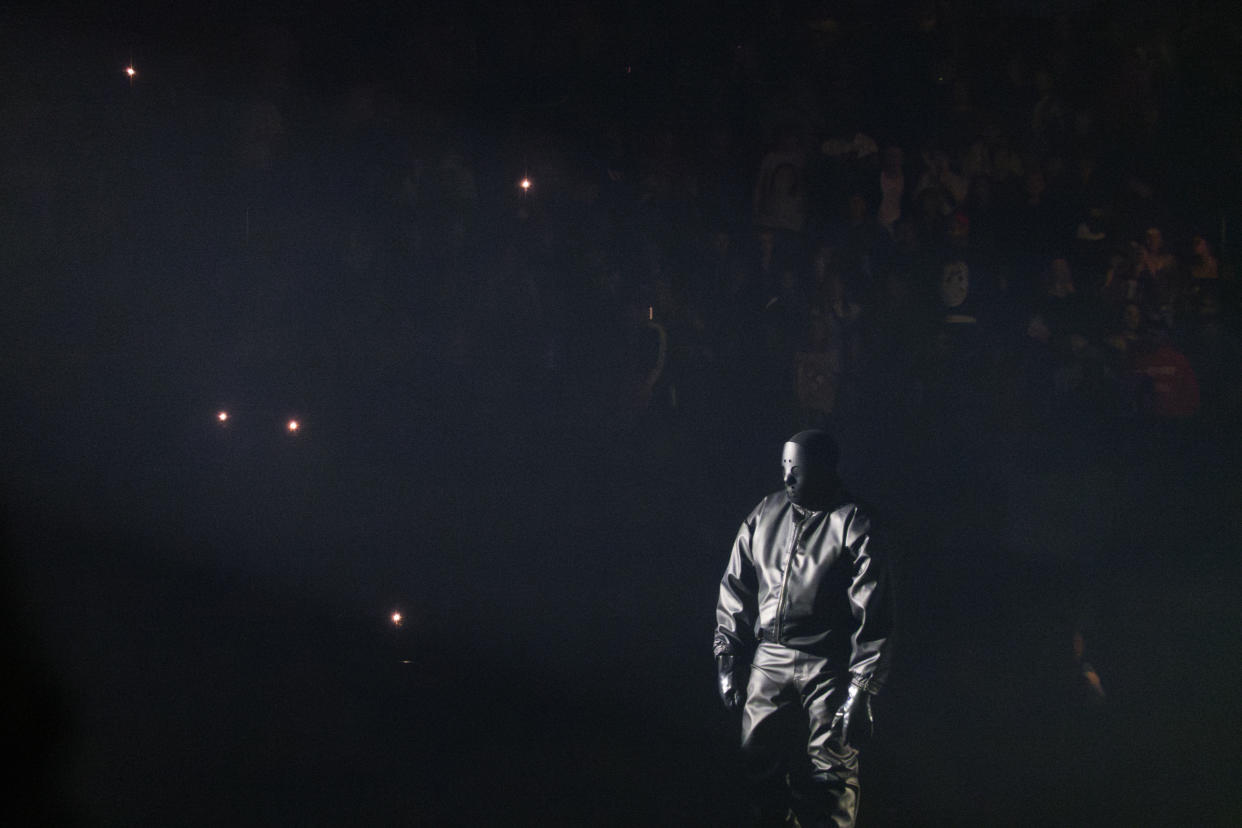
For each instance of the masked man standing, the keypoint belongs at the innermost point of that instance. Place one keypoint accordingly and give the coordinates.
(806, 605)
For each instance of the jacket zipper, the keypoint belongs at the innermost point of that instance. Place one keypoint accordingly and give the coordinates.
(780, 604)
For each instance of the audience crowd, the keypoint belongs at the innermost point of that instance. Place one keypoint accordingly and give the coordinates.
(827, 219)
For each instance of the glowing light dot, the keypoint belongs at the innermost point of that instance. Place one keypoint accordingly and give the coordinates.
(293, 425)
(525, 184)
(129, 70)
(223, 416)
(397, 619)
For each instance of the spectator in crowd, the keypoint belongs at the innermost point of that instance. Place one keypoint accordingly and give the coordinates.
(939, 177)
(1035, 222)
(1215, 351)
(1004, 164)
(1087, 191)
(1155, 262)
(980, 213)
(1166, 384)
(826, 366)
(1121, 285)
(958, 234)
(1157, 271)
(864, 245)
(785, 311)
(817, 369)
(1087, 208)
(779, 201)
(930, 220)
(957, 358)
(1127, 330)
(892, 184)
(1061, 308)
(1203, 263)
(1063, 327)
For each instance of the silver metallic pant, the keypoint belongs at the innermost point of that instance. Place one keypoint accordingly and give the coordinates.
(795, 765)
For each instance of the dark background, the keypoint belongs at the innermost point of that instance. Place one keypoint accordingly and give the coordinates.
(198, 615)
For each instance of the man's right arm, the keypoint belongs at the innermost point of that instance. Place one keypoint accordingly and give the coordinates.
(737, 604)
(736, 609)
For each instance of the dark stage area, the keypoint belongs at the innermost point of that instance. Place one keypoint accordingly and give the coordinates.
(551, 666)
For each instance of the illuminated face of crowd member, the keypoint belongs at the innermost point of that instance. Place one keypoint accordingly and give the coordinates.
(954, 284)
(1062, 278)
(1154, 240)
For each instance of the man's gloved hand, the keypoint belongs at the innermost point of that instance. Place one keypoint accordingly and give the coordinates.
(726, 683)
(853, 719)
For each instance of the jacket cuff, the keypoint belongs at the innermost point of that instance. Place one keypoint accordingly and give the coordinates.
(868, 684)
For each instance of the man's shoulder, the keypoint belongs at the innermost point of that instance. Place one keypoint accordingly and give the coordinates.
(768, 507)
(770, 503)
(846, 499)
(859, 515)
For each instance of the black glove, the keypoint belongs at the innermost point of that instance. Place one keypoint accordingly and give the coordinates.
(853, 720)
(726, 683)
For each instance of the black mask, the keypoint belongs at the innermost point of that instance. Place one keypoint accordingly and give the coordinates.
(809, 469)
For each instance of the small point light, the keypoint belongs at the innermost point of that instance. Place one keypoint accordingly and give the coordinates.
(397, 619)
(222, 416)
(129, 70)
(524, 184)
(292, 426)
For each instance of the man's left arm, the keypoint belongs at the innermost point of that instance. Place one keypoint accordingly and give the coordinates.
(871, 604)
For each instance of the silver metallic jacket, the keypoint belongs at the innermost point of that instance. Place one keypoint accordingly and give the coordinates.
(811, 581)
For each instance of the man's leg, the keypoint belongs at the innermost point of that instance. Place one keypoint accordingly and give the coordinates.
(769, 722)
(828, 795)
